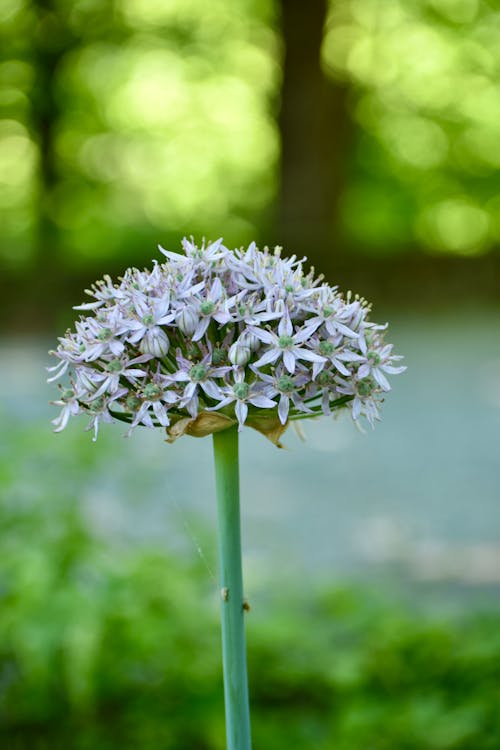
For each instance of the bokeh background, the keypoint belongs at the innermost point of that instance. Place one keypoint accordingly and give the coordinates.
(366, 135)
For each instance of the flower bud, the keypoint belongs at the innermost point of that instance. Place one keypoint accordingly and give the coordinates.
(155, 342)
(250, 339)
(187, 320)
(239, 354)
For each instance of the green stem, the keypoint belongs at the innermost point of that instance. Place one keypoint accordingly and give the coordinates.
(231, 582)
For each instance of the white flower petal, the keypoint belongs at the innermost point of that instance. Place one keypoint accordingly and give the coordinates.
(283, 408)
(241, 411)
(268, 358)
(289, 361)
(263, 402)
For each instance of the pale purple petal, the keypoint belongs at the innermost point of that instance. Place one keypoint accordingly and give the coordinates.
(116, 347)
(285, 327)
(263, 402)
(161, 413)
(317, 368)
(192, 406)
(225, 402)
(133, 373)
(268, 357)
(283, 408)
(216, 290)
(61, 368)
(363, 371)
(241, 410)
(356, 408)
(222, 316)
(177, 257)
(393, 370)
(289, 361)
(308, 355)
(189, 390)
(266, 336)
(379, 376)
(170, 397)
(211, 389)
(348, 356)
(201, 329)
(340, 367)
(89, 305)
(305, 333)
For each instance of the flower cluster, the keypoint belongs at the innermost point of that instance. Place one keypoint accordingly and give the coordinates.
(214, 337)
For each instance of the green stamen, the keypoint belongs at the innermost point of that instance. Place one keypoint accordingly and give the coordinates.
(241, 390)
(324, 378)
(365, 387)
(197, 372)
(105, 334)
(206, 308)
(285, 342)
(326, 348)
(151, 391)
(219, 356)
(132, 402)
(286, 384)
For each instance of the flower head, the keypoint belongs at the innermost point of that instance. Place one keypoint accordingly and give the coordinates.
(215, 337)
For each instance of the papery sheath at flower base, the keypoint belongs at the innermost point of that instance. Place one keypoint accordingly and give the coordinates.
(207, 342)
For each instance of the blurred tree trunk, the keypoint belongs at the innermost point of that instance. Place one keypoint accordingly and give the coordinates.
(51, 40)
(315, 135)
(53, 36)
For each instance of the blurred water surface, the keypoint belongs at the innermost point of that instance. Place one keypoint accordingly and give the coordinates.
(419, 495)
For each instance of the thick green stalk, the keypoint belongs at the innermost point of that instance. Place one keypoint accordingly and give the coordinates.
(231, 582)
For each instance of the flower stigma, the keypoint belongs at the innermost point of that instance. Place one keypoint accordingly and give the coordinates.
(198, 372)
(241, 390)
(285, 342)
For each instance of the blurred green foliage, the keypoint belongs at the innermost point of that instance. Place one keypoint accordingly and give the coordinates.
(427, 105)
(135, 120)
(125, 122)
(106, 644)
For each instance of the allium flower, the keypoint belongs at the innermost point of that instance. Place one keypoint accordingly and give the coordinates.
(286, 344)
(242, 393)
(215, 337)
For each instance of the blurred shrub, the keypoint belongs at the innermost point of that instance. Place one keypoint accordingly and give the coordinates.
(129, 121)
(106, 647)
(426, 103)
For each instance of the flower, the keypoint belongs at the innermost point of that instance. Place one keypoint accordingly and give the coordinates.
(286, 344)
(288, 388)
(243, 393)
(214, 337)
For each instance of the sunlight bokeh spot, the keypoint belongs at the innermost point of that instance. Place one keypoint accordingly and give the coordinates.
(415, 140)
(17, 158)
(456, 226)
